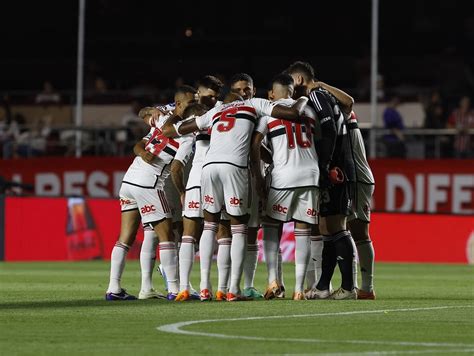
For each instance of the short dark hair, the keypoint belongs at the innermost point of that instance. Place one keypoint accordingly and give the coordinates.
(211, 82)
(185, 89)
(283, 79)
(194, 109)
(303, 68)
(241, 77)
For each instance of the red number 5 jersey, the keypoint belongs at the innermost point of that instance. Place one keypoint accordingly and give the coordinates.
(231, 127)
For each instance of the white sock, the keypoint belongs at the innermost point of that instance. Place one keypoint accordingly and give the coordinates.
(355, 262)
(301, 257)
(206, 250)
(117, 264)
(250, 265)
(168, 258)
(280, 268)
(186, 260)
(148, 258)
(317, 256)
(270, 248)
(365, 250)
(237, 253)
(224, 263)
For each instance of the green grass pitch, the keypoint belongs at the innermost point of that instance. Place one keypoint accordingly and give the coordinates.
(59, 308)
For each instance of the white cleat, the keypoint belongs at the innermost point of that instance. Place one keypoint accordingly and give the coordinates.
(315, 293)
(151, 294)
(342, 294)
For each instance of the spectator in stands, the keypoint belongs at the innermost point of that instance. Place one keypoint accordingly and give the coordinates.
(49, 95)
(434, 112)
(10, 130)
(393, 120)
(100, 93)
(133, 129)
(462, 119)
(32, 143)
(434, 119)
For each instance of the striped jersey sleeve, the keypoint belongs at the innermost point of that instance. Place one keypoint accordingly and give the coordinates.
(321, 105)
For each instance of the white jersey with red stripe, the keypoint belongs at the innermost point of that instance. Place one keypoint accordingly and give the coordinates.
(362, 168)
(295, 162)
(202, 143)
(231, 127)
(153, 175)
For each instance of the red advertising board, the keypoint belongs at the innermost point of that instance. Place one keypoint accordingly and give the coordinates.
(57, 229)
(433, 186)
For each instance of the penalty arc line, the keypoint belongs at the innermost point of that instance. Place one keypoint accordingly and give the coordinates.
(175, 328)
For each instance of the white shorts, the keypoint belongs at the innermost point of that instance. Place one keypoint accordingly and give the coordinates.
(192, 202)
(300, 204)
(225, 186)
(362, 201)
(151, 203)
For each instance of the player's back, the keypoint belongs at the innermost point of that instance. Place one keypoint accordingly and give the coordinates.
(362, 168)
(295, 162)
(231, 130)
(165, 150)
(342, 155)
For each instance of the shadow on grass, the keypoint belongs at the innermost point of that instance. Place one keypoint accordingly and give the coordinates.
(96, 303)
(80, 303)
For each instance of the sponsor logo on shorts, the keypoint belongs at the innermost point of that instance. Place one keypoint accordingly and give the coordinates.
(311, 212)
(193, 205)
(125, 202)
(235, 201)
(280, 209)
(208, 199)
(148, 209)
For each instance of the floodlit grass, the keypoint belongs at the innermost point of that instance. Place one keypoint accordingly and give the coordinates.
(59, 308)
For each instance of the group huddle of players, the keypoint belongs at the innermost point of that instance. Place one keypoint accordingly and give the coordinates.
(298, 156)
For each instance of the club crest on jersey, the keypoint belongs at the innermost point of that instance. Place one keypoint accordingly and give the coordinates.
(235, 201)
(280, 209)
(193, 205)
(148, 209)
(208, 199)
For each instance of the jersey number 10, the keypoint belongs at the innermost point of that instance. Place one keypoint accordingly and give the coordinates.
(294, 131)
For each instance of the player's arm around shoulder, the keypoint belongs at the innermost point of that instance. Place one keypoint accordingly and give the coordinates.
(346, 101)
(292, 112)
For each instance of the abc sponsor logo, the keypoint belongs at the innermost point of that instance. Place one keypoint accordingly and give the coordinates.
(193, 205)
(280, 209)
(125, 202)
(148, 209)
(208, 199)
(235, 201)
(311, 212)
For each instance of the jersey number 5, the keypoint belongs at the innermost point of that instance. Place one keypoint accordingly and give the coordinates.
(227, 120)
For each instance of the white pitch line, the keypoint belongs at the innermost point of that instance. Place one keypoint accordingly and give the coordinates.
(397, 352)
(175, 328)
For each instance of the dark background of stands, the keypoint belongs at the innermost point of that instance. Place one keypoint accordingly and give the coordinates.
(141, 45)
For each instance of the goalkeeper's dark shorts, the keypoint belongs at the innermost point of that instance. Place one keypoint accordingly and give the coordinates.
(336, 200)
